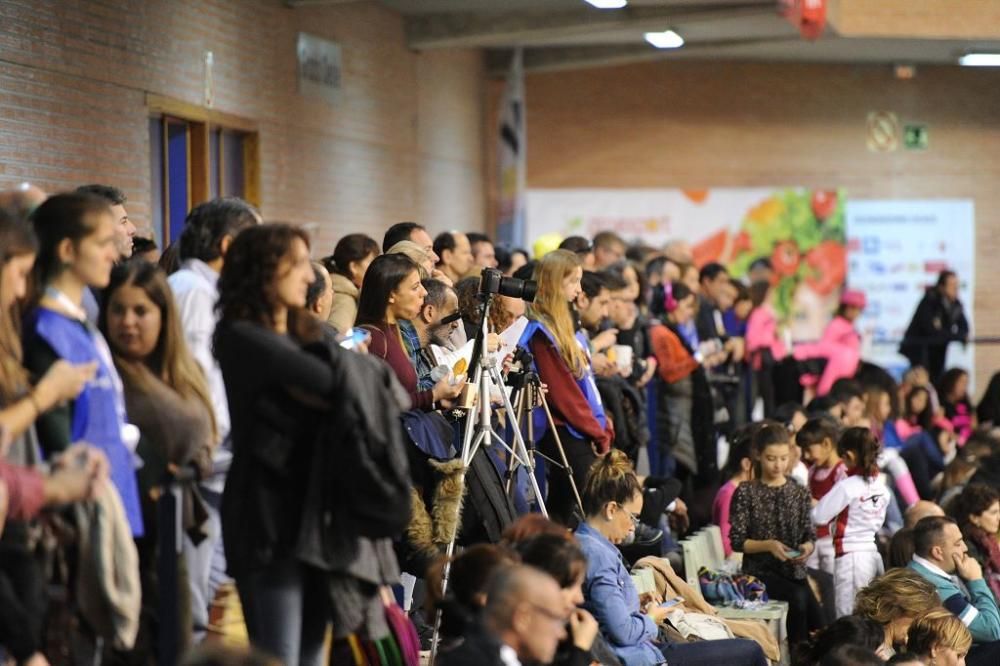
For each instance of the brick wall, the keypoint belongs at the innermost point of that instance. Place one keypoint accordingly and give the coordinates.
(403, 142)
(694, 125)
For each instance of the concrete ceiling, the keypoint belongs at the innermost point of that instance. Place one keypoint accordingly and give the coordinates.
(570, 34)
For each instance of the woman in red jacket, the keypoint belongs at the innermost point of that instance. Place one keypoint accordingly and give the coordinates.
(563, 364)
(683, 442)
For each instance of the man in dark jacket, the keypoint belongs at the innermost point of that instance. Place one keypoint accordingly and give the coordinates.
(939, 320)
(523, 622)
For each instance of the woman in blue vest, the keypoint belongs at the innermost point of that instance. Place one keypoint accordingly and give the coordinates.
(563, 364)
(76, 251)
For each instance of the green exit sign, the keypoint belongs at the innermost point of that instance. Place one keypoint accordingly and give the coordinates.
(915, 137)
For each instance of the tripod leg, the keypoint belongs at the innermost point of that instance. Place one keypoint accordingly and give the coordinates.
(562, 452)
(472, 438)
(520, 449)
(513, 463)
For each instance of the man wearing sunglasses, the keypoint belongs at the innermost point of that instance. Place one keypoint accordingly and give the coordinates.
(438, 317)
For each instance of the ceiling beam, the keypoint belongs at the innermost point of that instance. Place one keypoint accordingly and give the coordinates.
(583, 57)
(938, 19)
(318, 3)
(472, 30)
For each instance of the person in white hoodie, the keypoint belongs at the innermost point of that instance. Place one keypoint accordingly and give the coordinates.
(855, 510)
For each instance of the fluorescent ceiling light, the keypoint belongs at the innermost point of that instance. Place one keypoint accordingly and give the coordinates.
(980, 60)
(668, 39)
(608, 4)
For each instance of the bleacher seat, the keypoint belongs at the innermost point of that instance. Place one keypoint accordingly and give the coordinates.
(704, 549)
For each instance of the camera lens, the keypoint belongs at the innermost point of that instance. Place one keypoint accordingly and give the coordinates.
(494, 282)
(514, 288)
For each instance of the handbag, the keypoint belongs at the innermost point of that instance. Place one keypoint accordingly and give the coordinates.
(721, 588)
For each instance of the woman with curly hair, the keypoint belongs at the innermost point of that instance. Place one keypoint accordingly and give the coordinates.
(977, 511)
(263, 327)
(894, 600)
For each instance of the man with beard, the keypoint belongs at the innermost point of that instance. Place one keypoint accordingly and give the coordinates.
(438, 317)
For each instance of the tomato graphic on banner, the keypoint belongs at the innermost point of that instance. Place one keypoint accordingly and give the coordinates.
(800, 231)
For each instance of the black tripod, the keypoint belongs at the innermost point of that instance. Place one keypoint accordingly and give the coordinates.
(479, 432)
(529, 396)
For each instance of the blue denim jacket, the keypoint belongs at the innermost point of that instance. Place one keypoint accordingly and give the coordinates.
(612, 599)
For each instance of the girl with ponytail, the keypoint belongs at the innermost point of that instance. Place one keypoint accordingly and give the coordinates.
(563, 363)
(858, 505)
(612, 502)
(347, 266)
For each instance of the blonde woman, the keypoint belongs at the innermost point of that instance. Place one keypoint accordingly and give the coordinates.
(940, 639)
(894, 600)
(563, 364)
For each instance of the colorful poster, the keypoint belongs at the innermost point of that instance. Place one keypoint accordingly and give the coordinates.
(896, 249)
(801, 231)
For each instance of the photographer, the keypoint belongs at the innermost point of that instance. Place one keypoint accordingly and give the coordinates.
(563, 363)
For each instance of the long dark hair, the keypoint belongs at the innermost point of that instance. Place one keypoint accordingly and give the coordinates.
(16, 240)
(948, 382)
(383, 277)
(865, 447)
(739, 448)
(73, 216)
(989, 406)
(247, 282)
(170, 361)
(352, 247)
(924, 419)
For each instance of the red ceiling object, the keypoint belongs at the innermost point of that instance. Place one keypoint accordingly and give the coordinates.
(809, 16)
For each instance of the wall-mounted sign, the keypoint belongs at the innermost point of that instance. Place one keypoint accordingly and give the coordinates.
(320, 67)
(882, 132)
(915, 137)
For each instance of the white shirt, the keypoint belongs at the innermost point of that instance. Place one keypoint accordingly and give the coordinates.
(933, 568)
(196, 291)
(508, 656)
(858, 505)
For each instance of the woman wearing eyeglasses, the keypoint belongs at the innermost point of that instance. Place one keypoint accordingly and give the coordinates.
(612, 501)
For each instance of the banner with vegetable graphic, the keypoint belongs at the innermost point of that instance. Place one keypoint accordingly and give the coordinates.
(803, 234)
(801, 231)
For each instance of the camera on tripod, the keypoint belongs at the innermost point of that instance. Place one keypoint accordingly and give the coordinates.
(495, 282)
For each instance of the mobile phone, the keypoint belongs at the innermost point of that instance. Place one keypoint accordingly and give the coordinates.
(792, 554)
(355, 337)
(671, 602)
